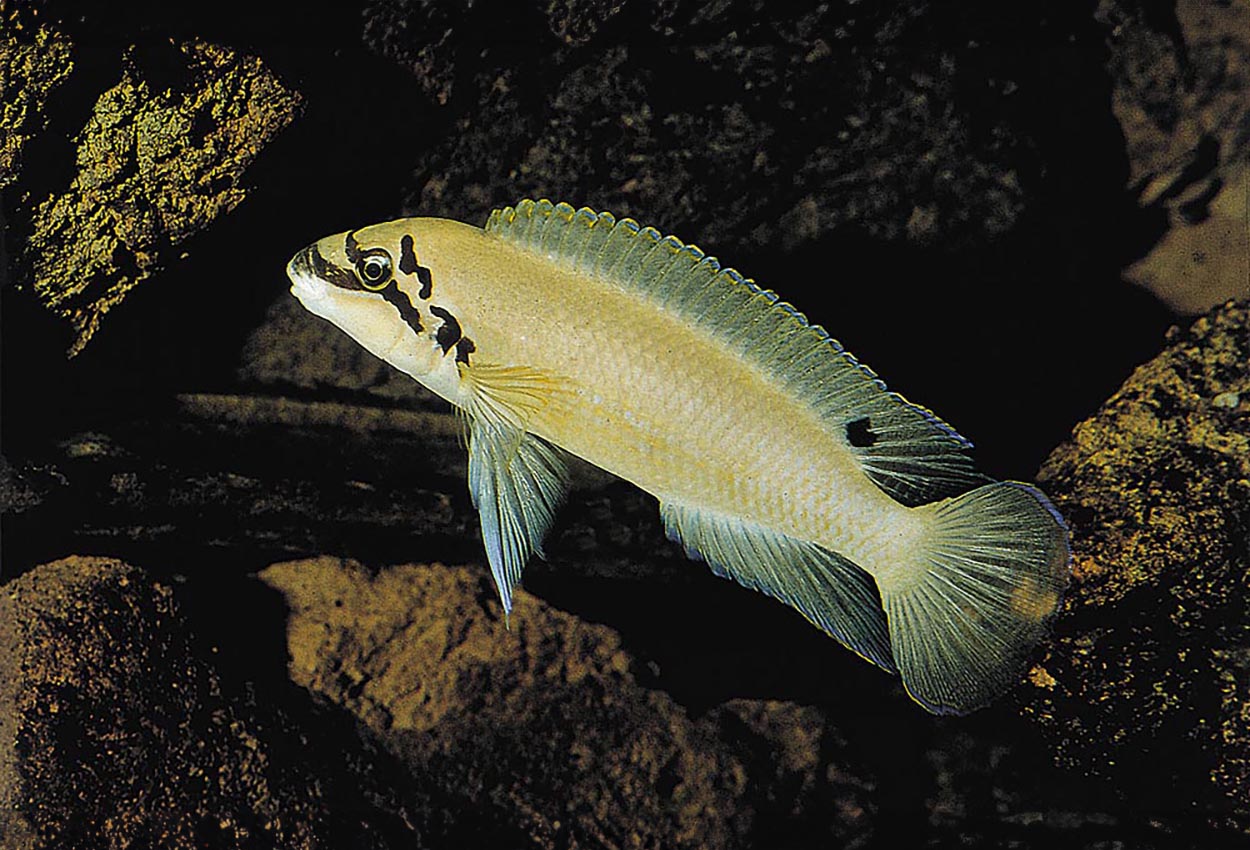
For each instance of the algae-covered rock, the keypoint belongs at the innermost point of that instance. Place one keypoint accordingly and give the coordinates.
(116, 731)
(1148, 674)
(34, 61)
(162, 156)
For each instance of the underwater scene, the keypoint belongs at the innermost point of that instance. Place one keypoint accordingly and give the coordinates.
(625, 424)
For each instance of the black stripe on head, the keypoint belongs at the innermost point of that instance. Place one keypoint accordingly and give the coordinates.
(401, 302)
(449, 332)
(351, 248)
(329, 272)
(407, 256)
(408, 264)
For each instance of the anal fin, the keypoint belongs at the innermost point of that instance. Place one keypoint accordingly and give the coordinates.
(834, 594)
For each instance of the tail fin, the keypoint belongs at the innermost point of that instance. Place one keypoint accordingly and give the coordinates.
(965, 616)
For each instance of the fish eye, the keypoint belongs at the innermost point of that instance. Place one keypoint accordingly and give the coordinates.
(374, 270)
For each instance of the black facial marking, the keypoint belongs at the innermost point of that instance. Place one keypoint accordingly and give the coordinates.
(448, 333)
(403, 304)
(351, 248)
(331, 273)
(408, 265)
(407, 256)
(859, 433)
(464, 348)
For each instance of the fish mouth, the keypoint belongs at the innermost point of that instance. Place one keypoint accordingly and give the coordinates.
(301, 264)
(306, 284)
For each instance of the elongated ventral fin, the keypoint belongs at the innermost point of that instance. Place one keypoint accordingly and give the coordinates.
(984, 584)
(830, 591)
(904, 448)
(518, 480)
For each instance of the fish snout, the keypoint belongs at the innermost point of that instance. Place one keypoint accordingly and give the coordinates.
(301, 265)
(306, 283)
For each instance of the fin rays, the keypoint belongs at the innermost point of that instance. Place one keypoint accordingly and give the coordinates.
(518, 480)
(965, 616)
(915, 457)
(831, 592)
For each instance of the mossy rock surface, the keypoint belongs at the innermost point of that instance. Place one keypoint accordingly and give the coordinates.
(1150, 662)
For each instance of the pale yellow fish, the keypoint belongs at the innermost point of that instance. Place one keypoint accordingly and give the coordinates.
(776, 457)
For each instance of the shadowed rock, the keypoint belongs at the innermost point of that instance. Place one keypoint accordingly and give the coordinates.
(1148, 673)
(1182, 74)
(543, 726)
(116, 731)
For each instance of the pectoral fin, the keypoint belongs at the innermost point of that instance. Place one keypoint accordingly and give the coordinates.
(518, 480)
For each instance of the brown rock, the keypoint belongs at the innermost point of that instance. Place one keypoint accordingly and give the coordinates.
(1182, 78)
(115, 734)
(542, 725)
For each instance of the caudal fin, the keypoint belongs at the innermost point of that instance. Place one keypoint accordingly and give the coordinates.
(964, 617)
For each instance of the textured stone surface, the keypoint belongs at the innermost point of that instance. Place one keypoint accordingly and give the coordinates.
(542, 726)
(115, 732)
(1182, 96)
(162, 156)
(34, 61)
(737, 125)
(1150, 662)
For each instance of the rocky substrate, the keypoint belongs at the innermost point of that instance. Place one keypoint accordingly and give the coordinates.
(245, 601)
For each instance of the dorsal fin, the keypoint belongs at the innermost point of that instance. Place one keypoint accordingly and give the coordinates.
(904, 448)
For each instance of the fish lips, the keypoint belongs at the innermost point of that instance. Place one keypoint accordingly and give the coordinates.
(306, 284)
(312, 274)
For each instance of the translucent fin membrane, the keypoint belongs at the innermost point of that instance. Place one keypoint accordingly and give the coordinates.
(831, 592)
(965, 616)
(905, 449)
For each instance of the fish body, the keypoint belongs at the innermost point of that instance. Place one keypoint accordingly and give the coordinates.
(776, 457)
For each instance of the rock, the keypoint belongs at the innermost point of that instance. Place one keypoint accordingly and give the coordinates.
(737, 127)
(115, 731)
(34, 62)
(295, 348)
(162, 156)
(539, 727)
(382, 479)
(1149, 666)
(1182, 97)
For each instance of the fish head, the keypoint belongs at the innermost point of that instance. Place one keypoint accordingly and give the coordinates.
(368, 283)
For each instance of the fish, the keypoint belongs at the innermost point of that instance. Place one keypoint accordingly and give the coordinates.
(777, 458)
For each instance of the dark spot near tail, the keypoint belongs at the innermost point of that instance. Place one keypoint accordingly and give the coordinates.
(859, 434)
(464, 348)
(448, 333)
(401, 302)
(427, 282)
